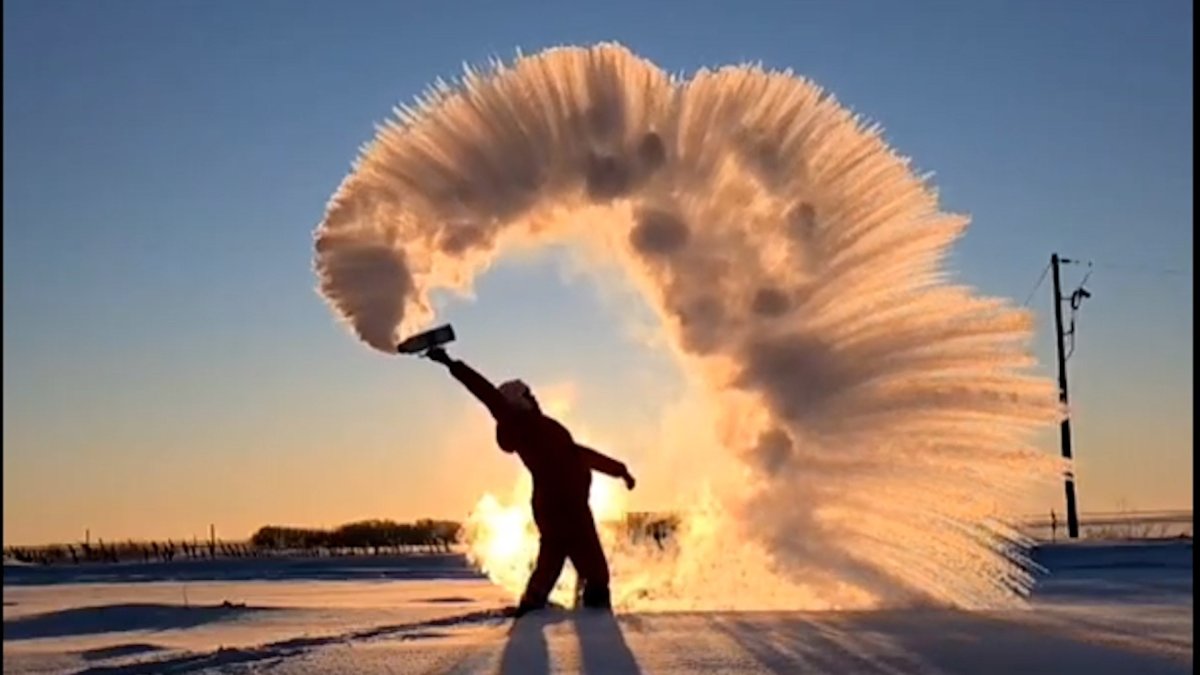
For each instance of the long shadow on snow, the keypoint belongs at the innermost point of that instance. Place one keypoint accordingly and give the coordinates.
(941, 641)
(117, 619)
(526, 652)
(602, 645)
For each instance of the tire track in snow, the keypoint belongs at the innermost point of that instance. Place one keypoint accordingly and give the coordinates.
(295, 647)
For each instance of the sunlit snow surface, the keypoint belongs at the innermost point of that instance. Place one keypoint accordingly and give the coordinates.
(1101, 608)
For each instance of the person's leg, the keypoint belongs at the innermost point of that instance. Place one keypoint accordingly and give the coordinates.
(552, 553)
(587, 555)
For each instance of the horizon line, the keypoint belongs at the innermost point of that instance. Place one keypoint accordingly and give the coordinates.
(1027, 519)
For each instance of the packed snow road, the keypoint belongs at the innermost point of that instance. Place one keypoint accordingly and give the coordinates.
(1111, 608)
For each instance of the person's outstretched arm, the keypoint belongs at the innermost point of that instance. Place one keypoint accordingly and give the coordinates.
(474, 382)
(605, 464)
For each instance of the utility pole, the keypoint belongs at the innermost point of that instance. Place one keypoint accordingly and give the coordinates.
(1065, 427)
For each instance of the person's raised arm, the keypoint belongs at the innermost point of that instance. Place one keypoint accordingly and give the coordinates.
(605, 464)
(474, 382)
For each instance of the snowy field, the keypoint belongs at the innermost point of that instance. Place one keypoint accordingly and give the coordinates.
(1102, 608)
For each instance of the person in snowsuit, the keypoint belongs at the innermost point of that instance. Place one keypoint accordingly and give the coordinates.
(562, 476)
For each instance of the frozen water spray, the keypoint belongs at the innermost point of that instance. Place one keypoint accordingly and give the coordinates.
(882, 413)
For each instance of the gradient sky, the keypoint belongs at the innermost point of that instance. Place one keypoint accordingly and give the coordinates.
(167, 363)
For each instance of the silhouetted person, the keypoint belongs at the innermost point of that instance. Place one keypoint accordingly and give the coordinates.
(562, 476)
(1053, 525)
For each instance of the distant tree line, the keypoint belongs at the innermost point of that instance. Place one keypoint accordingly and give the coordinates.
(433, 536)
(130, 551)
(374, 536)
(368, 536)
(363, 537)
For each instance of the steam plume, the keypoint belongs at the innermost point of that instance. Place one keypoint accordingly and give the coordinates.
(882, 413)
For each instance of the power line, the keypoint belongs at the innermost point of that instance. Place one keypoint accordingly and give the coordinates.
(1038, 285)
(1143, 269)
(1150, 269)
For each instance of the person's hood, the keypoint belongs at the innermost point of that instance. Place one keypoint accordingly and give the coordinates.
(518, 394)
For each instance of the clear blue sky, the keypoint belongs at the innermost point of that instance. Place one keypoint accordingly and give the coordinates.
(167, 362)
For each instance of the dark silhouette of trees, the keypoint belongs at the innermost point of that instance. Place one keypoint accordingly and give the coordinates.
(364, 537)
(368, 536)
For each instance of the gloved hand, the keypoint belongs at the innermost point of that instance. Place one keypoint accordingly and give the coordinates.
(439, 355)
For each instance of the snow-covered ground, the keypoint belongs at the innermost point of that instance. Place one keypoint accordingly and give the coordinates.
(1102, 608)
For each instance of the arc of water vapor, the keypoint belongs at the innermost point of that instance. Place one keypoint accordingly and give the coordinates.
(795, 261)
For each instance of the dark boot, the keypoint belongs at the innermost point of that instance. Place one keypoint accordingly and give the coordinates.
(597, 597)
(527, 606)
